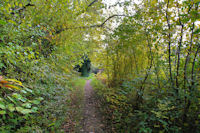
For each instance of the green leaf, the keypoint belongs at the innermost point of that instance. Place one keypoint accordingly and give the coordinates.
(11, 107)
(27, 105)
(11, 21)
(34, 109)
(23, 111)
(36, 101)
(52, 124)
(11, 99)
(29, 90)
(40, 98)
(2, 22)
(2, 112)
(23, 91)
(19, 97)
(196, 31)
(2, 65)
(2, 105)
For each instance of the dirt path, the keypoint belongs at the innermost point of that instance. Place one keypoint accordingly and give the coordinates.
(92, 122)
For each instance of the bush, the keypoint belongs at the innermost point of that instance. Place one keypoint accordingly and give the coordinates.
(160, 112)
(17, 103)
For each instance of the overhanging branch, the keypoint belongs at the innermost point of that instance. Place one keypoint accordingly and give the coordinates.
(92, 3)
(119, 3)
(22, 8)
(93, 26)
(86, 9)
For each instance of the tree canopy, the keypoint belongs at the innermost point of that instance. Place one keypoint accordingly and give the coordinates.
(148, 52)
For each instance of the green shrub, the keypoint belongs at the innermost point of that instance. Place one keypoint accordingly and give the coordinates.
(17, 103)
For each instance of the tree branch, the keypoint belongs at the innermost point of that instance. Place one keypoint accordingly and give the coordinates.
(179, 46)
(93, 26)
(169, 43)
(91, 4)
(86, 9)
(22, 8)
(119, 3)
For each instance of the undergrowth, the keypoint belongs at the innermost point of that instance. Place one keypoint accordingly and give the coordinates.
(156, 115)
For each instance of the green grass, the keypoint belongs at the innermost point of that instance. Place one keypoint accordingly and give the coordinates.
(76, 104)
(79, 82)
(91, 76)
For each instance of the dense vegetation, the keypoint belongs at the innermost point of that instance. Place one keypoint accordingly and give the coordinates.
(151, 64)
(39, 50)
(149, 55)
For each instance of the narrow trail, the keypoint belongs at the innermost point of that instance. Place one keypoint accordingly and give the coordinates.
(92, 122)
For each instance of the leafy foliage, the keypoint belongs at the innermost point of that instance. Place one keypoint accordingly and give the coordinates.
(151, 63)
(39, 47)
(16, 100)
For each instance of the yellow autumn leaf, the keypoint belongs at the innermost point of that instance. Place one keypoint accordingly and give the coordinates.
(16, 3)
(9, 5)
(50, 33)
(16, 81)
(12, 87)
(3, 81)
(11, 21)
(20, 5)
(29, 25)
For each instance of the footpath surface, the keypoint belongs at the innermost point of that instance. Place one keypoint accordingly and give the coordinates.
(92, 121)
